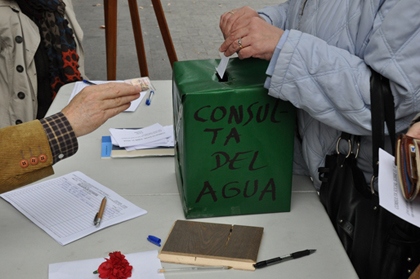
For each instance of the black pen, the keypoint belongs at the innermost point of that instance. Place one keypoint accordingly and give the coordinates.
(294, 255)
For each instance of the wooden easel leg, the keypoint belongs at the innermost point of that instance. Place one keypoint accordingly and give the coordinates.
(138, 37)
(167, 39)
(110, 13)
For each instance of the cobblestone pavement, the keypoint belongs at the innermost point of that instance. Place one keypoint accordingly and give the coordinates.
(194, 27)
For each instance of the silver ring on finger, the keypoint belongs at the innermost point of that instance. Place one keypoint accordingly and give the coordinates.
(240, 43)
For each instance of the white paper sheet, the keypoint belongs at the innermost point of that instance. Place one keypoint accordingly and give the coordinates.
(169, 141)
(142, 136)
(221, 68)
(145, 266)
(390, 196)
(79, 85)
(64, 207)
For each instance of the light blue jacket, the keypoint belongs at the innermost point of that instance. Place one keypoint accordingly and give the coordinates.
(323, 69)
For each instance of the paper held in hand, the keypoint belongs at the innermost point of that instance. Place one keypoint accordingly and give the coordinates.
(144, 82)
(221, 68)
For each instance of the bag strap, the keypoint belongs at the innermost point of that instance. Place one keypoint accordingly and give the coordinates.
(382, 109)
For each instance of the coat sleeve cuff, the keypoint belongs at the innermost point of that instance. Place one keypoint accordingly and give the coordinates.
(62, 139)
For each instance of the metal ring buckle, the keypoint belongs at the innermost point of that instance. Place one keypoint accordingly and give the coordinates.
(372, 188)
(357, 150)
(349, 150)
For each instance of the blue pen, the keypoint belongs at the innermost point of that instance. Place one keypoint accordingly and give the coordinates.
(149, 100)
(89, 82)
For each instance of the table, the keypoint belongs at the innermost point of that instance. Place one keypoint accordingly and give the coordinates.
(26, 250)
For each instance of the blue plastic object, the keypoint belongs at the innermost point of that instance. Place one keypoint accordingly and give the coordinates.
(153, 239)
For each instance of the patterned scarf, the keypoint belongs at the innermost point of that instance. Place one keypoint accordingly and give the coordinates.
(57, 38)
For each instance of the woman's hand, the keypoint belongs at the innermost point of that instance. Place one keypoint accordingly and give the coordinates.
(414, 131)
(248, 34)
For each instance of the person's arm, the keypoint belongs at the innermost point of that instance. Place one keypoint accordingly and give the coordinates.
(275, 15)
(28, 150)
(60, 135)
(328, 75)
(25, 155)
(332, 84)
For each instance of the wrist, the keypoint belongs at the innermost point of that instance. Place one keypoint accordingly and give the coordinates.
(61, 137)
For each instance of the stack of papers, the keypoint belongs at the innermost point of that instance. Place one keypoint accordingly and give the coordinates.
(152, 136)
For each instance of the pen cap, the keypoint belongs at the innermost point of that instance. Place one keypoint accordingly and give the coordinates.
(155, 240)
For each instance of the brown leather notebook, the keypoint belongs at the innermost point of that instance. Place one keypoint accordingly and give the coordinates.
(212, 244)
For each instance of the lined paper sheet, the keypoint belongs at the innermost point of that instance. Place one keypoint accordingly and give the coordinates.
(64, 207)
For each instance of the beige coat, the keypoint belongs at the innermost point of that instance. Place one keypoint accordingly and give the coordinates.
(15, 53)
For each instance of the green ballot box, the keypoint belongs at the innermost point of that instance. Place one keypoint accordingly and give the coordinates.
(233, 142)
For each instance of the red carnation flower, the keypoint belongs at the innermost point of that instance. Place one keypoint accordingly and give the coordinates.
(116, 267)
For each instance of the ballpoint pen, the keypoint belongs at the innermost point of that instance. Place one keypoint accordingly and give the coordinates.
(99, 215)
(294, 255)
(149, 100)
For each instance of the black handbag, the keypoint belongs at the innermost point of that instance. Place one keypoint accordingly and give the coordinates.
(378, 243)
(343, 187)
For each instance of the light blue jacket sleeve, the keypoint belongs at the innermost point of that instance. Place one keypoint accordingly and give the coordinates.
(328, 75)
(327, 82)
(275, 15)
(274, 58)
